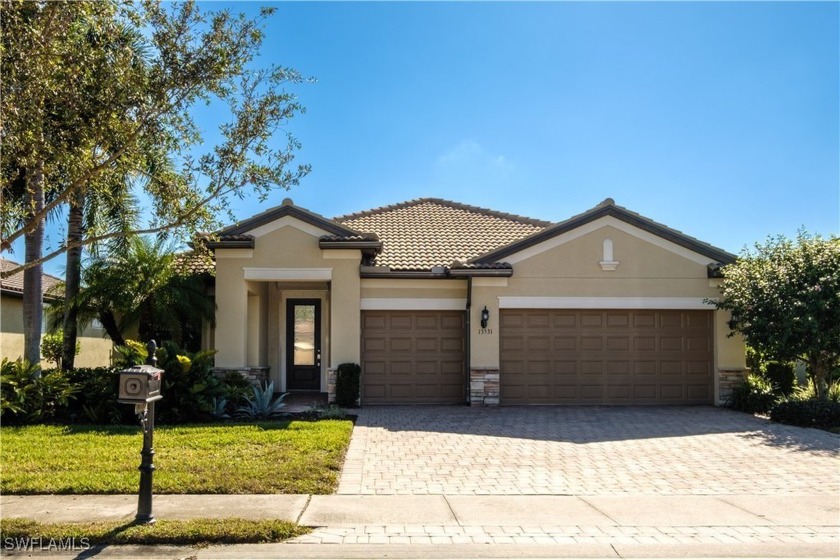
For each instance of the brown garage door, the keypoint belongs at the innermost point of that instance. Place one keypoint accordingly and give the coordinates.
(412, 357)
(606, 357)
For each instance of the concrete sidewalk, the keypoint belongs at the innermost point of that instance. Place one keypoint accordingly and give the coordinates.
(438, 526)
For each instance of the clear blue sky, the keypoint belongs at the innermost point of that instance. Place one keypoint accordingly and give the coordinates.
(718, 119)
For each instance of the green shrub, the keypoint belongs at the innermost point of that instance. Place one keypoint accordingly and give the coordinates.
(52, 347)
(347, 384)
(132, 354)
(27, 398)
(331, 412)
(808, 392)
(782, 375)
(753, 394)
(96, 398)
(236, 389)
(815, 413)
(189, 385)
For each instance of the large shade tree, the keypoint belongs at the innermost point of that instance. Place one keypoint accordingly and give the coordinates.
(81, 102)
(784, 296)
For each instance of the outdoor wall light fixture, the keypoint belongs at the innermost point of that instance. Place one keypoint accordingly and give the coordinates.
(485, 316)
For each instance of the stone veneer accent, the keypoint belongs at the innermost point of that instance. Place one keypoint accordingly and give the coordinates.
(484, 387)
(255, 375)
(331, 377)
(727, 379)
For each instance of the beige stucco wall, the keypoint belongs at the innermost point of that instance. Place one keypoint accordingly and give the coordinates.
(288, 245)
(95, 351)
(379, 288)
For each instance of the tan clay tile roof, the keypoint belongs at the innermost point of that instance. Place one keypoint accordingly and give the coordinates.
(14, 283)
(428, 232)
(195, 262)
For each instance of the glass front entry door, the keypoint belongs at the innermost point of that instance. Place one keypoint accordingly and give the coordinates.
(303, 345)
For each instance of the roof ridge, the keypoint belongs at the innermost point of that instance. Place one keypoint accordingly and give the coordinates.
(444, 202)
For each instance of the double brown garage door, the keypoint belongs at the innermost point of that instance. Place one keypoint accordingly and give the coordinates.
(412, 357)
(547, 357)
(605, 357)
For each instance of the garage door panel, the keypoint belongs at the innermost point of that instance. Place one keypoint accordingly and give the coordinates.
(591, 368)
(400, 322)
(413, 357)
(618, 320)
(606, 356)
(618, 343)
(644, 343)
(591, 320)
(619, 392)
(595, 343)
(561, 320)
(592, 392)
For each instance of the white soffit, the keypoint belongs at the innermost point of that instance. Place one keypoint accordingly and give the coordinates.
(287, 221)
(414, 304)
(600, 223)
(514, 302)
(288, 274)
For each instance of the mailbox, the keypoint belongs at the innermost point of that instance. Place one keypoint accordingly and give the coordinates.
(140, 384)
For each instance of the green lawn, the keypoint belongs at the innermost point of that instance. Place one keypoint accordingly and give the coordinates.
(283, 457)
(198, 532)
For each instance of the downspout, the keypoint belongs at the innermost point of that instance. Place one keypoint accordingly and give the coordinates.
(467, 396)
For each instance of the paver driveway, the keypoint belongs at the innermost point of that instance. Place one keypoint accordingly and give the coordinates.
(584, 451)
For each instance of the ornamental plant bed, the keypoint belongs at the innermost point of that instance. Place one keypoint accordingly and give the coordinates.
(274, 457)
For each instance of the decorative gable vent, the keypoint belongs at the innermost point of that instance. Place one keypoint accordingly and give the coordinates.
(608, 263)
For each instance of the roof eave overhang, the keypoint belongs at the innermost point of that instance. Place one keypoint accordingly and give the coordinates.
(384, 272)
(370, 245)
(237, 244)
(481, 273)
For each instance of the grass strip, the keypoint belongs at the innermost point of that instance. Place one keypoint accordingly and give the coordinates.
(280, 457)
(195, 532)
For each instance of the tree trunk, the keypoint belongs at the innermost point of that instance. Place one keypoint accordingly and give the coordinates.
(72, 280)
(819, 372)
(109, 323)
(33, 294)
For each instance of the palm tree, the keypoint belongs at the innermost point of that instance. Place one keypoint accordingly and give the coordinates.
(142, 285)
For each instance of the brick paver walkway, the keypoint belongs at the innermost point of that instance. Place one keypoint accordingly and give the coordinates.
(691, 535)
(584, 451)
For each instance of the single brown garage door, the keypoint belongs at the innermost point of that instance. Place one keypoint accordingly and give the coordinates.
(412, 357)
(606, 357)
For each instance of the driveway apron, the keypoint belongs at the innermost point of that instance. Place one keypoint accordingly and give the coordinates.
(615, 451)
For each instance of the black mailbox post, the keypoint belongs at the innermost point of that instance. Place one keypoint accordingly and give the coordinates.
(140, 386)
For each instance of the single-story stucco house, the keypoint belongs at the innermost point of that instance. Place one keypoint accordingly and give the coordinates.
(94, 347)
(441, 302)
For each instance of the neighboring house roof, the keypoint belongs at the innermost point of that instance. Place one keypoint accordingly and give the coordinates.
(431, 232)
(14, 283)
(609, 208)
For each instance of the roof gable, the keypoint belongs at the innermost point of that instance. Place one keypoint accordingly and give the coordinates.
(608, 208)
(287, 208)
(241, 234)
(431, 232)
